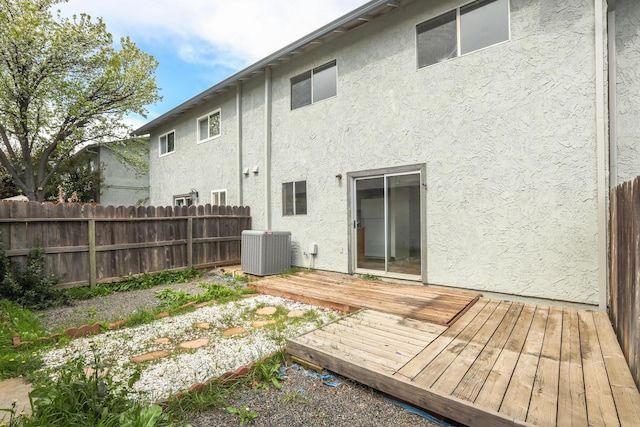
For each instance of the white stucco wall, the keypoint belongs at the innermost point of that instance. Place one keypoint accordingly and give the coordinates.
(121, 186)
(506, 133)
(628, 89)
(506, 136)
(206, 166)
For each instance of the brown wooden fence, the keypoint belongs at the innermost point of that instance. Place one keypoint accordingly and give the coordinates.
(624, 303)
(87, 244)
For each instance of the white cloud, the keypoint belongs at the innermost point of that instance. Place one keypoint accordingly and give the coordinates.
(233, 33)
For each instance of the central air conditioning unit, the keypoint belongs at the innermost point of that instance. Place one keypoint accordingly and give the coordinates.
(265, 252)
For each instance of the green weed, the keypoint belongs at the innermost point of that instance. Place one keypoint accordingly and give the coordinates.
(245, 414)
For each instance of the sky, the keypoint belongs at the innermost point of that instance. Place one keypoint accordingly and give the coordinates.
(199, 43)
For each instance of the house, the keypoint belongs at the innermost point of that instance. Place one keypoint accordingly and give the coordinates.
(122, 184)
(455, 143)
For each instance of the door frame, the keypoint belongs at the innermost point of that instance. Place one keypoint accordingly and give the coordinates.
(352, 177)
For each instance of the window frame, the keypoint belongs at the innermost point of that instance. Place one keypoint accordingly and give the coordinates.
(309, 75)
(294, 198)
(459, 30)
(218, 193)
(207, 117)
(161, 154)
(186, 198)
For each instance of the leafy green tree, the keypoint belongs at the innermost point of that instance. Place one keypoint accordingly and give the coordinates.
(63, 84)
(7, 187)
(78, 175)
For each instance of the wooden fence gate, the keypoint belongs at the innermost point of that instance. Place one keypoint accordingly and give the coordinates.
(86, 244)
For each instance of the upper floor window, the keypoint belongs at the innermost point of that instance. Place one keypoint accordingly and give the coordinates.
(466, 29)
(314, 85)
(167, 143)
(219, 197)
(294, 198)
(209, 126)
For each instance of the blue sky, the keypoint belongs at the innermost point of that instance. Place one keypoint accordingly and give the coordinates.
(198, 43)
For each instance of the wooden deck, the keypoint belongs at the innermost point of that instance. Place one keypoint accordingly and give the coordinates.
(348, 293)
(499, 364)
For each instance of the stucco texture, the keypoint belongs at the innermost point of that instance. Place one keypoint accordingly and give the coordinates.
(627, 89)
(507, 135)
(206, 166)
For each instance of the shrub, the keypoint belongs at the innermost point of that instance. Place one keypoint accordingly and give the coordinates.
(29, 286)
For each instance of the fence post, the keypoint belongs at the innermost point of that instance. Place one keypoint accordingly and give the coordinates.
(190, 242)
(92, 253)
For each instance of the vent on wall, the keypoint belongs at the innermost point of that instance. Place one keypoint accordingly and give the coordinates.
(265, 252)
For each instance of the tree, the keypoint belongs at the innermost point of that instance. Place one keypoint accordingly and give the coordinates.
(80, 175)
(7, 187)
(63, 84)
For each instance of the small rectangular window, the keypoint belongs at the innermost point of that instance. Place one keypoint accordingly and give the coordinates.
(315, 85)
(209, 126)
(294, 198)
(219, 197)
(167, 143)
(183, 200)
(466, 29)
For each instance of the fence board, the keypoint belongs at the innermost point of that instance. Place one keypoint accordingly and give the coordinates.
(125, 240)
(624, 295)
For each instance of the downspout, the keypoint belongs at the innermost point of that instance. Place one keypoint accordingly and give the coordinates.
(613, 96)
(267, 146)
(239, 130)
(601, 143)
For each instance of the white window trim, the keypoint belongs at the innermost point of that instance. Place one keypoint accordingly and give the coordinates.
(183, 197)
(458, 38)
(219, 192)
(160, 143)
(206, 116)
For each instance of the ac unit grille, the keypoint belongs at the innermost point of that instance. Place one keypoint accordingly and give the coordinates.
(265, 252)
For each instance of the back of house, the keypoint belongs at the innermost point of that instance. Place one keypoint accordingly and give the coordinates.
(454, 143)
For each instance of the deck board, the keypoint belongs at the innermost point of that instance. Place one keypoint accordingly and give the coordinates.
(348, 293)
(477, 361)
(499, 364)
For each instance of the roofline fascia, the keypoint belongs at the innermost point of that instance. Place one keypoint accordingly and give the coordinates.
(265, 62)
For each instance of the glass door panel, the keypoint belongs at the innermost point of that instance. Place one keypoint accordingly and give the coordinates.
(387, 224)
(403, 224)
(370, 224)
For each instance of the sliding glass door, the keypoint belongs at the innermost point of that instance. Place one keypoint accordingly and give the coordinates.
(387, 225)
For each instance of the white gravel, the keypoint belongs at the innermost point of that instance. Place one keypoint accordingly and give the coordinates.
(163, 377)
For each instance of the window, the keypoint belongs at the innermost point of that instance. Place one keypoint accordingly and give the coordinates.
(209, 126)
(294, 198)
(167, 143)
(184, 200)
(219, 197)
(313, 86)
(466, 29)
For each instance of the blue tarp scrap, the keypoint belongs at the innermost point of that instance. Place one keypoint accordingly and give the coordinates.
(419, 412)
(325, 379)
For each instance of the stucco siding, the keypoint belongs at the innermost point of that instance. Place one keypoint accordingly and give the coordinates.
(505, 138)
(507, 135)
(253, 150)
(205, 166)
(122, 185)
(627, 22)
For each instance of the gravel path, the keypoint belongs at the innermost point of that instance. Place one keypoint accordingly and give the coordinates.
(303, 399)
(112, 307)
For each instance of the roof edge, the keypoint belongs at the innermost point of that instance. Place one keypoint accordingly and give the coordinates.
(265, 62)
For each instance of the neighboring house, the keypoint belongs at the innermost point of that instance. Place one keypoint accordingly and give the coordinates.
(463, 144)
(122, 185)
